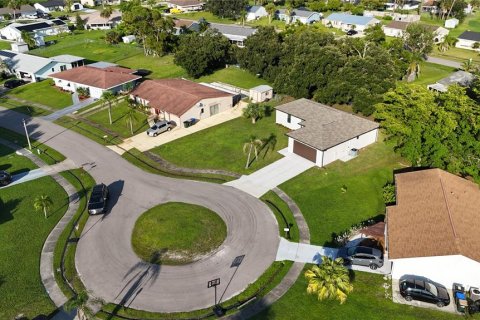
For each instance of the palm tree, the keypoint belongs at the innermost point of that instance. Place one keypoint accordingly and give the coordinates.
(106, 12)
(329, 280)
(254, 111)
(107, 98)
(270, 8)
(243, 16)
(131, 117)
(252, 144)
(80, 303)
(15, 5)
(447, 43)
(468, 65)
(68, 5)
(42, 203)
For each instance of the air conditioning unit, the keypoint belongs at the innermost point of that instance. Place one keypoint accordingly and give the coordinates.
(474, 293)
(353, 152)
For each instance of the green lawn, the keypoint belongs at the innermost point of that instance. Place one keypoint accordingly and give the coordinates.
(22, 234)
(5, 45)
(22, 107)
(88, 44)
(119, 120)
(177, 233)
(161, 67)
(43, 92)
(471, 23)
(283, 215)
(210, 17)
(367, 301)
(431, 73)
(221, 147)
(326, 208)
(234, 76)
(457, 54)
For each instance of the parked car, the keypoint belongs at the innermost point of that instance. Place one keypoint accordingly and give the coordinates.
(160, 127)
(419, 288)
(13, 83)
(5, 178)
(362, 256)
(98, 199)
(351, 32)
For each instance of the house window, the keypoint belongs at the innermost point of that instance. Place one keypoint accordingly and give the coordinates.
(358, 137)
(289, 118)
(201, 111)
(53, 69)
(63, 68)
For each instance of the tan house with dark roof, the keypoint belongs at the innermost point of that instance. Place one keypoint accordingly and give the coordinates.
(180, 100)
(433, 230)
(397, 29)
(96, 80)
(323, 134)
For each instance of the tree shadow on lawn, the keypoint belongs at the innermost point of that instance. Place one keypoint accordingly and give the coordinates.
(7, 208)
(142, 274)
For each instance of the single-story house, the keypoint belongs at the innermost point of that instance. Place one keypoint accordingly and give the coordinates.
(408, 5)
(236, 34)
(33, 68)
(430, 6)
(180, 100)
(45, 28)
(182, 25)
(323, 134)
(93, 21)
(186, 5)
(395, 15)
(25, 11)
(462, 78)
(432, 231)
(97, 80)
(451, 23)
(397, 29)
(19, 47)
(345, 21)
(261, 93)
(90, 3)
(469, 40)
(56, 5)
(301, 15)
(256, 12)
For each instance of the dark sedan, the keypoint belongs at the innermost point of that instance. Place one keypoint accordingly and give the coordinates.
(10, 84)
(418, 288)
(98, 199)
(5, 178)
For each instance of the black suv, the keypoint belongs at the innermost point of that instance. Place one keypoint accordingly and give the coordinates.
(418, 288)
(98, 199)
(5, 178)
(362, 256)
(351, 32)
(10, 84)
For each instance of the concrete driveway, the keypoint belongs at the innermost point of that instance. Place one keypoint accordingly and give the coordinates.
(105, 260)
(273, 175)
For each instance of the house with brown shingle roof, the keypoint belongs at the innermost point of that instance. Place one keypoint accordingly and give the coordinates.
(180, 100)
(186, 5)
(323, 134)
(96, 80)
(433, 230)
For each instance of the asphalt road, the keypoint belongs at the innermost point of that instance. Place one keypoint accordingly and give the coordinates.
(105, 260)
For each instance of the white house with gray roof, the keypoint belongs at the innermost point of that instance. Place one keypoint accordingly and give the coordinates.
(469, 40)
(299, 15)
(236, 34)
(256, 12)
(33, 68)
(323, 134)
(462, 78)
(345, 21)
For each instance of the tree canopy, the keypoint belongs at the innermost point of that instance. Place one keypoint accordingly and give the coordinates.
(433, 129)
(226, 8)
(200, 54)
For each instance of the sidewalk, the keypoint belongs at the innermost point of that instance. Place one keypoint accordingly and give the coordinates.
(74, 107)
(143, 142)
(267, 178)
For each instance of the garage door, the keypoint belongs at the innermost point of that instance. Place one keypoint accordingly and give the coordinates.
(304, 151)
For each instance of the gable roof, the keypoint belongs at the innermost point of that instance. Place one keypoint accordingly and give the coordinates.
(350, 19)
(186, 3)
(470, 35)
(255, 9)
(324, 126)
(24, 8)
(437, 214)
(95, 77)
(302, 13)
(233, 32)
(175, 96)
(95, 18)
(23, 62)
(400, 25)
(67, 58)
(31, 27)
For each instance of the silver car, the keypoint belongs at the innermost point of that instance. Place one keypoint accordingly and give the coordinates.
(362, 256)
(160, 127)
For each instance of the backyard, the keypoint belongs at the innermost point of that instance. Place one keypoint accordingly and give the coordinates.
(221, 147)
(334, 198)
(431, 73)
(22, 234)
(43, 92)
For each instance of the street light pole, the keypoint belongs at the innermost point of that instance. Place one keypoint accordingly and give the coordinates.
(26, 133)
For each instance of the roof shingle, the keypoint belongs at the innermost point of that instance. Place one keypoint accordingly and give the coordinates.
(95, 77)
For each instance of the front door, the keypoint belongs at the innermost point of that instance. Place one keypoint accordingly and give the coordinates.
(214, 109)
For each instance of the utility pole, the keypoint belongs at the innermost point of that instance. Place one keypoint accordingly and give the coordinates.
(26, 133)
